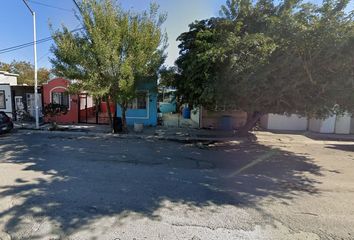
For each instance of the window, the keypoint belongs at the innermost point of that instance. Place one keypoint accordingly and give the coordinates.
(2, 100)
(61, 98)
(140, 102)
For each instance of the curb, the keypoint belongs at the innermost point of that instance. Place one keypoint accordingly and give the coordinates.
(128, 136)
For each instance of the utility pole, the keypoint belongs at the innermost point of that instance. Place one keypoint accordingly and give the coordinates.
(35, 64)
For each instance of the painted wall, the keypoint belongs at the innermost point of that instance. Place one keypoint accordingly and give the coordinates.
(147, 116)
(26, 93)
(61, 85)
(284, 122)
(323, 126)
(195, 116)
(8, 99)
(212, 119)
(8, 78)
(343, 124)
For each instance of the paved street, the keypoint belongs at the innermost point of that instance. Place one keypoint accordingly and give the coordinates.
(62, 186)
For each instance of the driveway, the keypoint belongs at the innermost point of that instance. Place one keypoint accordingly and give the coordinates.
(60, 186)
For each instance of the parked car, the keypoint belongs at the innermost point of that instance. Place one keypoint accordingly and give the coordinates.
(6, 124)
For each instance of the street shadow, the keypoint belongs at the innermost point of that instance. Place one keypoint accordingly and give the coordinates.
(342, 147)
(88, 178)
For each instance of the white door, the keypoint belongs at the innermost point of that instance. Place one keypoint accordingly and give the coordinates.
(31, 106)
(19, 103)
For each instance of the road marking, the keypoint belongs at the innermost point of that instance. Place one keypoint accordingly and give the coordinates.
(255, 162)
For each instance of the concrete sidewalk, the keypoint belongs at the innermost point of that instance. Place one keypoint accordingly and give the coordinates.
(160, 132)
(184, 134)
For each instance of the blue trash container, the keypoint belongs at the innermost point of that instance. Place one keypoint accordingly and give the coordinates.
(226, 123)
(186, 113)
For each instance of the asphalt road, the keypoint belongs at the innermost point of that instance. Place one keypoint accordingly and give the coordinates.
(56, 186)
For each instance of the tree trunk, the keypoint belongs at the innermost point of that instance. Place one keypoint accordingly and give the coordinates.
(252, 119)
(110, 118)
(124, 119)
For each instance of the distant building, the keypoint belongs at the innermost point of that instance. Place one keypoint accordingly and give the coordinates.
(8, 78)
(6, 81)
(17, 99)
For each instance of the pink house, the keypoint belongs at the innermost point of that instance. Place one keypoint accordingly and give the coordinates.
(56, 91)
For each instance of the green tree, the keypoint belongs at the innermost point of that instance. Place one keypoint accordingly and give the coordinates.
(115, 51)
(26, 72)
(266, 58)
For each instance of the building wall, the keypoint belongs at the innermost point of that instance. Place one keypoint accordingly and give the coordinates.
(147, 116)
(8, 78)
(8, 99)
(195, 116)
(323, 126)
(343, 124)
(61, 85)
(283, 122)
(212, 119)
(352, 125)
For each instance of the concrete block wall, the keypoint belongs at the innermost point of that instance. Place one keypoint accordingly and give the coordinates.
(343, 124)
(291, 122)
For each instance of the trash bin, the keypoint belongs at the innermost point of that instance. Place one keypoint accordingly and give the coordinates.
(186, 113)
(226, 123)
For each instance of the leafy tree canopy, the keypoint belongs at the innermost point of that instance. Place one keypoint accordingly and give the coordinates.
(289, 57)
(26, 72)
(115, 51)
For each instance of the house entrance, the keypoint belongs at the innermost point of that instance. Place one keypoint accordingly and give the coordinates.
(92, 111)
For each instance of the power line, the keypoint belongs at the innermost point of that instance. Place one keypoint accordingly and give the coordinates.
(10, 49)
(50, 6)
(18, 47)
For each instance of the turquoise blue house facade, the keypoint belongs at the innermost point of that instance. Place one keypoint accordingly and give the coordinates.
(143, 109)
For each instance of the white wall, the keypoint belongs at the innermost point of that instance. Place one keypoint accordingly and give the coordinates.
(8, 99)
(323, 126)
(8, 78)
(284, 122)
(335, 124)
(343, 124)
(195, 114)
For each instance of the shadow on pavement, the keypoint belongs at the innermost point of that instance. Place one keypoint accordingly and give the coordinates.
(91, 178)
(342, 147)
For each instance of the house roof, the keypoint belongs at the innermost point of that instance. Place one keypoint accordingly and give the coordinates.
(9, 74)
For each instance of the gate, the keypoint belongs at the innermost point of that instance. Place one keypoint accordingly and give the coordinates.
(92, 111)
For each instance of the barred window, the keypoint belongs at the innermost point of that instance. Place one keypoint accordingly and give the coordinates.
(140, 102)
(61, 98)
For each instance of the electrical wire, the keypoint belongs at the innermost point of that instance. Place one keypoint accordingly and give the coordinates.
(50, 6)
(18, 47)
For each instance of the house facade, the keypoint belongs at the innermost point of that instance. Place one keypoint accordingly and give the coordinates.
(5, 99)
(6, 81)
(23, 100)
(8, 78)
(18, 99)
(56, 91)
(82, 108)
(143, 109)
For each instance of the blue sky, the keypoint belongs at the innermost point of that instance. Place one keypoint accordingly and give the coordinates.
(16, 23)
